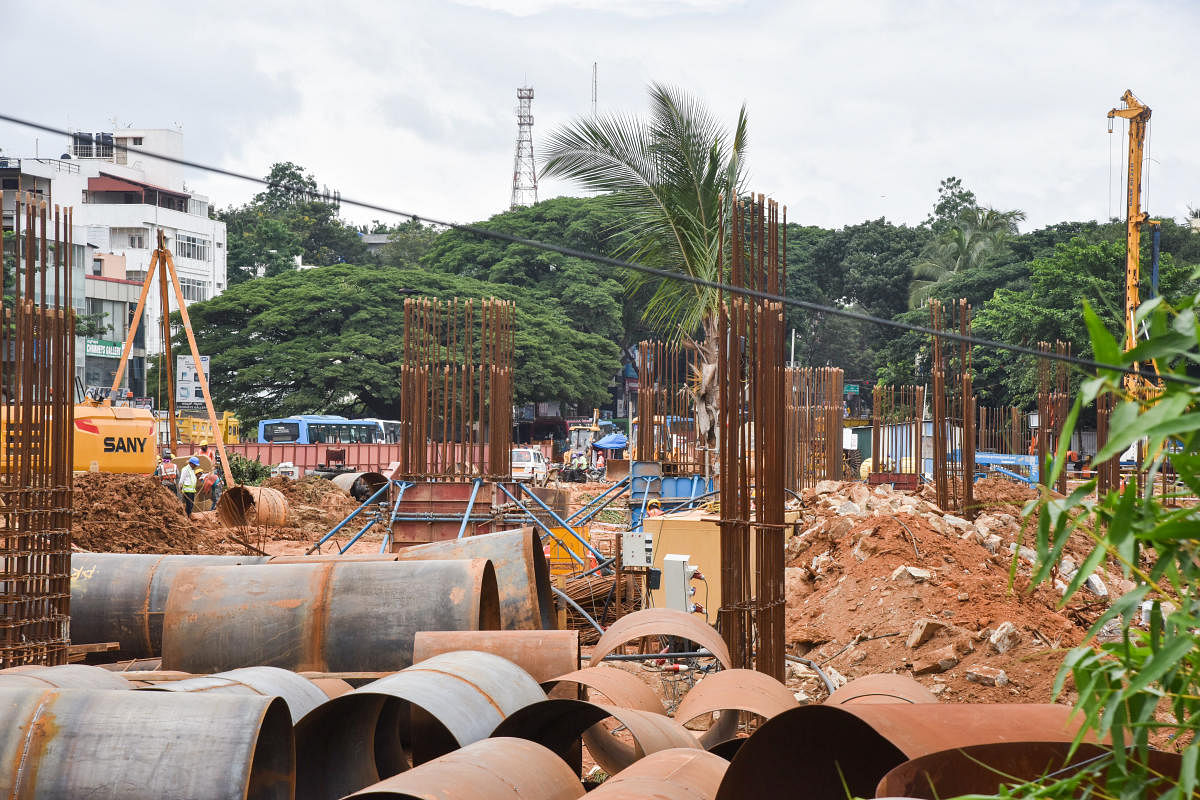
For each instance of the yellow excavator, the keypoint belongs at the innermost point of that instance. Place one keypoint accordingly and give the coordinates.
(114, 438)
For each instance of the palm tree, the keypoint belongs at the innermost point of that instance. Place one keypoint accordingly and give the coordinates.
(670, 173)
(979, 238)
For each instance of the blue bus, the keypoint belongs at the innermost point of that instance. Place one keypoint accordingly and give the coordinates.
(317, 429)
(389, 429)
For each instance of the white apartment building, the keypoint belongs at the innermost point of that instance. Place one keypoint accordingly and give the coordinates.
(122, 198)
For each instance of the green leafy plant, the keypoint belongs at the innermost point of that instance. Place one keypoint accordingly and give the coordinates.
(247, 471)
(1143, 689)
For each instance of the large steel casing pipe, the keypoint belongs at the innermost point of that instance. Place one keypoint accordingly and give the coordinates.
(120, 597)
(521, 571)
(325, 617)
(105, 745)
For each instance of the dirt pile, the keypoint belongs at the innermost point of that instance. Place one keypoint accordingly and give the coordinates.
(883, 581)
(120, 513)
(315, 505)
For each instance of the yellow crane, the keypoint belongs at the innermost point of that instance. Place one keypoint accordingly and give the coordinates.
(1138, 114)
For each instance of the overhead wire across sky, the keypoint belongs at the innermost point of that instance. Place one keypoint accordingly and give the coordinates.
(679, 277)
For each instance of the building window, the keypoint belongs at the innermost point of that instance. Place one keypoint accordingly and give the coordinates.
(137, 140)
(97, 266)
(188, 246)
(137, 241)
(194, 290)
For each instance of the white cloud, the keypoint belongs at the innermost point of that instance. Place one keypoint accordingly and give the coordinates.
(857, 109)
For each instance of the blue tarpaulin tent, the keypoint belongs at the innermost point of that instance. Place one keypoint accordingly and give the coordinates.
(614, 441)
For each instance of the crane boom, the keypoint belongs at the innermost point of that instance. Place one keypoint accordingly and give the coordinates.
(1138, 115)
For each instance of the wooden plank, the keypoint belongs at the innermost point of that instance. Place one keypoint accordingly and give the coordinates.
(76, 653)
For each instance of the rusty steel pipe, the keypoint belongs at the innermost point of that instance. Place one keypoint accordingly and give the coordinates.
(492, 769)
(730, 691)
(325, 617)
(300, 694)
(559, 724)
(360, 485)
(881, 688)
(983, 769)
(620, 687)
(63, 676)
(120, 597)
(679, 774)
(860, 743)
(144, 745)
(661, 622)
(522, 574)
(414, 716)
(240, 506)
(543, 654)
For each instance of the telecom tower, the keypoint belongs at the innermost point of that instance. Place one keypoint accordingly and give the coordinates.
(524, 187)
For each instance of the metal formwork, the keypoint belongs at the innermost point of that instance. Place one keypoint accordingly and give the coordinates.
(456, 390)
(1053, 404)
(813, 426)
(953, 402)
(666, 431)
(37, 367)
(750, 368)
(897, 433)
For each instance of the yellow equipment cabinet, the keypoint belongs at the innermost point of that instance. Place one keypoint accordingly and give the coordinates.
(197, 430)
(115, 439)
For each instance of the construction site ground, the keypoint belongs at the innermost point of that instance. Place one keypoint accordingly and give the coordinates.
(866, 568)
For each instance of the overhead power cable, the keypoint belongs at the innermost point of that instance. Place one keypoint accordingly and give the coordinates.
(680, 277)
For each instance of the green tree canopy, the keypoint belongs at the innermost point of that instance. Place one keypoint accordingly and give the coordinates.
(328, 340)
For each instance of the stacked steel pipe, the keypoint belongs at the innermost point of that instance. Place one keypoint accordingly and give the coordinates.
(751, 409)
(664, 432)
(953, 409)
(37, 368)
(456, 389)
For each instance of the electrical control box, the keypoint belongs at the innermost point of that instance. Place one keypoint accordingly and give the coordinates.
(677, 582)
(637, 549)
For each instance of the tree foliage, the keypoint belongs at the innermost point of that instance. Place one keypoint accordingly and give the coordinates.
(328, 340)
(284, 221)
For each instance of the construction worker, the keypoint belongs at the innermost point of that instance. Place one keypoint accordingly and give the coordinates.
(654, 508)
(204, 449)
(167, 473)
(187, 484)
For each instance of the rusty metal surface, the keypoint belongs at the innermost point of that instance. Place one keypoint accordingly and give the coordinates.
(120, 597)
(679, 774)
(665, 432)
(63, 676)
(492, 769)
(418, 714)
(733, 690)
(751, 421)
(543, 654)
(952, 401)
(324, 617)
(620, 687)
(862, 742)
(897, 432)
(37, 423)
(661, 622)
(300, 694)
(981, 769)
(144, 746)
(456, 388)
(881, 688)
(558, 724)
(522, 574)
(332, 687)
(368, 483)
(240, 506)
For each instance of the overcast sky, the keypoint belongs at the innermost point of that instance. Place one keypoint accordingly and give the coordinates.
(856, 110)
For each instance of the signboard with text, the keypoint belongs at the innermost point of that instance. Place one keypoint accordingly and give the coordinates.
(187, 379)
(101, 348)
(851, 388)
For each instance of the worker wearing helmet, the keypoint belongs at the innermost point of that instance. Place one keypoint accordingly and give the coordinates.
(187, 484)
(654, 508)
(167, 473)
